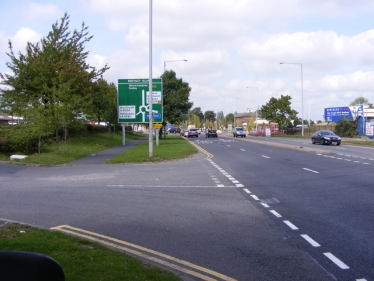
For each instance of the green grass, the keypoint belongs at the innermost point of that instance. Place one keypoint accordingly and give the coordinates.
(80, 259)
(169, 148)
(76, 147)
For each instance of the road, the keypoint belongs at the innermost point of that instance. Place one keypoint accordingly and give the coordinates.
(252, 212)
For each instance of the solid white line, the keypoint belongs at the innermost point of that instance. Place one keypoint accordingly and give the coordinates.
(310, 170)
(335, 260)
(220, 185)
(246, 190)
(310, 240)
(275, 213)
(292, 226)
(255, 197)
(363, 279)
(239, 185)
(265, 156)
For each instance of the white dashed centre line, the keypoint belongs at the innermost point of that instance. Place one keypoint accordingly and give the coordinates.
(265, 156)
(310, 240)
(255, 197)
(242, 149)
(246, 190)
(275, 213)
(306, 169)
(291, 225)
(335, 260)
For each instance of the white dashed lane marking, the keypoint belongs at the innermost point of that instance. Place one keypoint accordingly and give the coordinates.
(310, 240)
(335, 260)
(291, 225)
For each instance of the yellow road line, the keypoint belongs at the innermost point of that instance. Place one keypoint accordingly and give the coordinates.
(201, 149)
(177, 264)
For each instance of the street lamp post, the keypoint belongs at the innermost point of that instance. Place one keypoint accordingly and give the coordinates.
(170, 61)
(302, 95)
(256, 104)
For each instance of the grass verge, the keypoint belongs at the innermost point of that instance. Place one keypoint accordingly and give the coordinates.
(80, 259)
(169, 148)
(76, 147)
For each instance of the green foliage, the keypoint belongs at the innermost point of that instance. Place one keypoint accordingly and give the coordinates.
(361, 100)
(346, 128)
(176, 95)
(18, 139)
(51, 82)
(210, 116)
(278, 111)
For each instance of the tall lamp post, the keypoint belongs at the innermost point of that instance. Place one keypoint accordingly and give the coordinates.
(256, 103)
(170, 61)
(302, 95)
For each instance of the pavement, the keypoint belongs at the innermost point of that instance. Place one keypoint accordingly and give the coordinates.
(103, 156)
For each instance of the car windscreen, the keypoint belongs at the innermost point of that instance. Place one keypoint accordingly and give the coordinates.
(328, 133)
(239, 129)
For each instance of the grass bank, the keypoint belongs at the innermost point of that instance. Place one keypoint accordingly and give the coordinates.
(76, 147)
(80, 259)
(169, 148)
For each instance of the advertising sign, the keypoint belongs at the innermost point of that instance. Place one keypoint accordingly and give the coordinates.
(335, 114)
(133, 100)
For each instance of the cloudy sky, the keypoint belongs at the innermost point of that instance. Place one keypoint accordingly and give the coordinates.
(233, 48)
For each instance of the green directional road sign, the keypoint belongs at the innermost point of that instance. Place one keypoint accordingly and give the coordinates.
(133, 100)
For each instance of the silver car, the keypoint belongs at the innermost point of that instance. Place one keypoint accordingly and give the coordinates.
(239, 132)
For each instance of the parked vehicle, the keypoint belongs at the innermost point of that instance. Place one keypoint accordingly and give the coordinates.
(174, 131)
(239, 132)
(185, 133)
(211, 134)
(326, 137)
(193, 133)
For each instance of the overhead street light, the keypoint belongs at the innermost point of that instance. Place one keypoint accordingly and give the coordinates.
(256, 102)
(302, 95)
(170, 61)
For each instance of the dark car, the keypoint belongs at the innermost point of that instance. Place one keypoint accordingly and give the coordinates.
(174, 131)
(211, 134)
(326, 137)
(193, 133)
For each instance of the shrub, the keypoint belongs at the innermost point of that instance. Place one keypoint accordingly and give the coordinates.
(346, 128)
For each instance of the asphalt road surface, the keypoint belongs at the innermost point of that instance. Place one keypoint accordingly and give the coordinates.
(251, 212)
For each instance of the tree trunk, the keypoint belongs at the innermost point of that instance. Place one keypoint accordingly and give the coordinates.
(57, 139)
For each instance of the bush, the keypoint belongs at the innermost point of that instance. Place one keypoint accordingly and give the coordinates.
(18, 138)
(346, 128)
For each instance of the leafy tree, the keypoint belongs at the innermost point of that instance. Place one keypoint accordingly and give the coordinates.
(210, 116)
(278, 110)
(346, 128)
(51, 83)
(230, 118)
(197, 111)
(361, 100)
(176, 94)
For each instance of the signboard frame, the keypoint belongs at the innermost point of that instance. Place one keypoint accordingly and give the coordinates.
(133, 100)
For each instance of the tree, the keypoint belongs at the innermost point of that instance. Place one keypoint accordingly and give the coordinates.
(278, 110)
(197, 111)
(230, 118)
(51, 80)
(176, 94)
(361, 100)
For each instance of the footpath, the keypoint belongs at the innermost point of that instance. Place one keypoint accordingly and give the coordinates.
(103, 156)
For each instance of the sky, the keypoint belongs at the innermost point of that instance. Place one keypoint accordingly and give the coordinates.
(233, 48)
